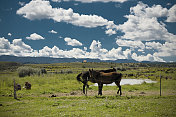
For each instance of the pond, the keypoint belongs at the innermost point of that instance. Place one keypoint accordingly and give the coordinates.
(130, 82)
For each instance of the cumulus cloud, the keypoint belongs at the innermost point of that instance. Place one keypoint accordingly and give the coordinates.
(143, 25)
(9, 34)
(149, 12)
(56, 0)
(40, 9)
(4, 46)
(35, 36)
(58, 53)
(52, 31)
(91, 1)
(172, 14)
(21, 3)
(17, 47)
(36, 9)
(110, 32)
(130, 43)
(153, 45)
(147, 57)
(101, 53)
(95, 46)
(72, 42)
(166, 49)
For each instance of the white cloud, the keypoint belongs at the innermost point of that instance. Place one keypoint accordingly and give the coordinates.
(162, 50)
(91, 1)
(40, 9)
(17, 48)
(98, 52)
(153, 45)
(114, 54)
(148, 57)
(36, 9)
(21, 3)
(144, 10)
(95, 46)
(166, 49)
(4, 46)
(52, 31)
(172, 14)
(85, 48)
(9, 34)
(4, 43)
(58, 53)
(35, 36)
(72, 42)
(130, 43)
(56, 0)
(127, 54)
(110, 32)
(143, 25)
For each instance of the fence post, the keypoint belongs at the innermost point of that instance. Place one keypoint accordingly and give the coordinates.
(14, 86)
(160, 84)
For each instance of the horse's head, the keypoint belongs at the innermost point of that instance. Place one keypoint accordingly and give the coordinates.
(93, 73)
(114, 70)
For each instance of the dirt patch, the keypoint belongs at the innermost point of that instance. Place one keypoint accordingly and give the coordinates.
(112, 93)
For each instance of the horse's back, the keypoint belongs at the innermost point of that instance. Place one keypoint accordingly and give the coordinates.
(111, 75)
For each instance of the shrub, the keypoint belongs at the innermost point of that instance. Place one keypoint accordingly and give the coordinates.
(69, 72)
(28, 71)
(43, 71)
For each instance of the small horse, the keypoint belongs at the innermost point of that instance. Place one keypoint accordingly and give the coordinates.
(105, 78)
(84, 77)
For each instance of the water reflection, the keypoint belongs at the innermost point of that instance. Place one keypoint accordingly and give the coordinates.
(130, 82)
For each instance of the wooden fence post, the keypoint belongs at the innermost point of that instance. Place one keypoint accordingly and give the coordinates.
(14, 86)
(160, 84)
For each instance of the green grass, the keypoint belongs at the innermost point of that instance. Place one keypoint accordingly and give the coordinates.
(89, 106)
(136, 100)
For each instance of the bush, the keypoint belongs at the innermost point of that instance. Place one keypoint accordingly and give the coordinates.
(28, 71)
(43, 71)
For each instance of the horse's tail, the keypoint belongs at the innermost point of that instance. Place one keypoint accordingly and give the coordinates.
(79, 77)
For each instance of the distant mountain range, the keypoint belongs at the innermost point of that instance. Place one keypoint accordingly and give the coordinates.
(48, 60)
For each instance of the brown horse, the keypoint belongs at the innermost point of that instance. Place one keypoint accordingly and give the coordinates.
(105, 78)
(84, 77)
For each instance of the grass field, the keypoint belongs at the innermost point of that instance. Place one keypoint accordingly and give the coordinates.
(136, 100)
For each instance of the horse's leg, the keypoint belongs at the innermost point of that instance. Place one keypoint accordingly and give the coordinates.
(100, 86)
(118, 84)
(84, 88)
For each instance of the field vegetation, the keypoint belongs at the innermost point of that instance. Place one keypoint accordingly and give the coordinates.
(58, 93)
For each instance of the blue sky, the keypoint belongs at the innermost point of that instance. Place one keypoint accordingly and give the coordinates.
(103, 29)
